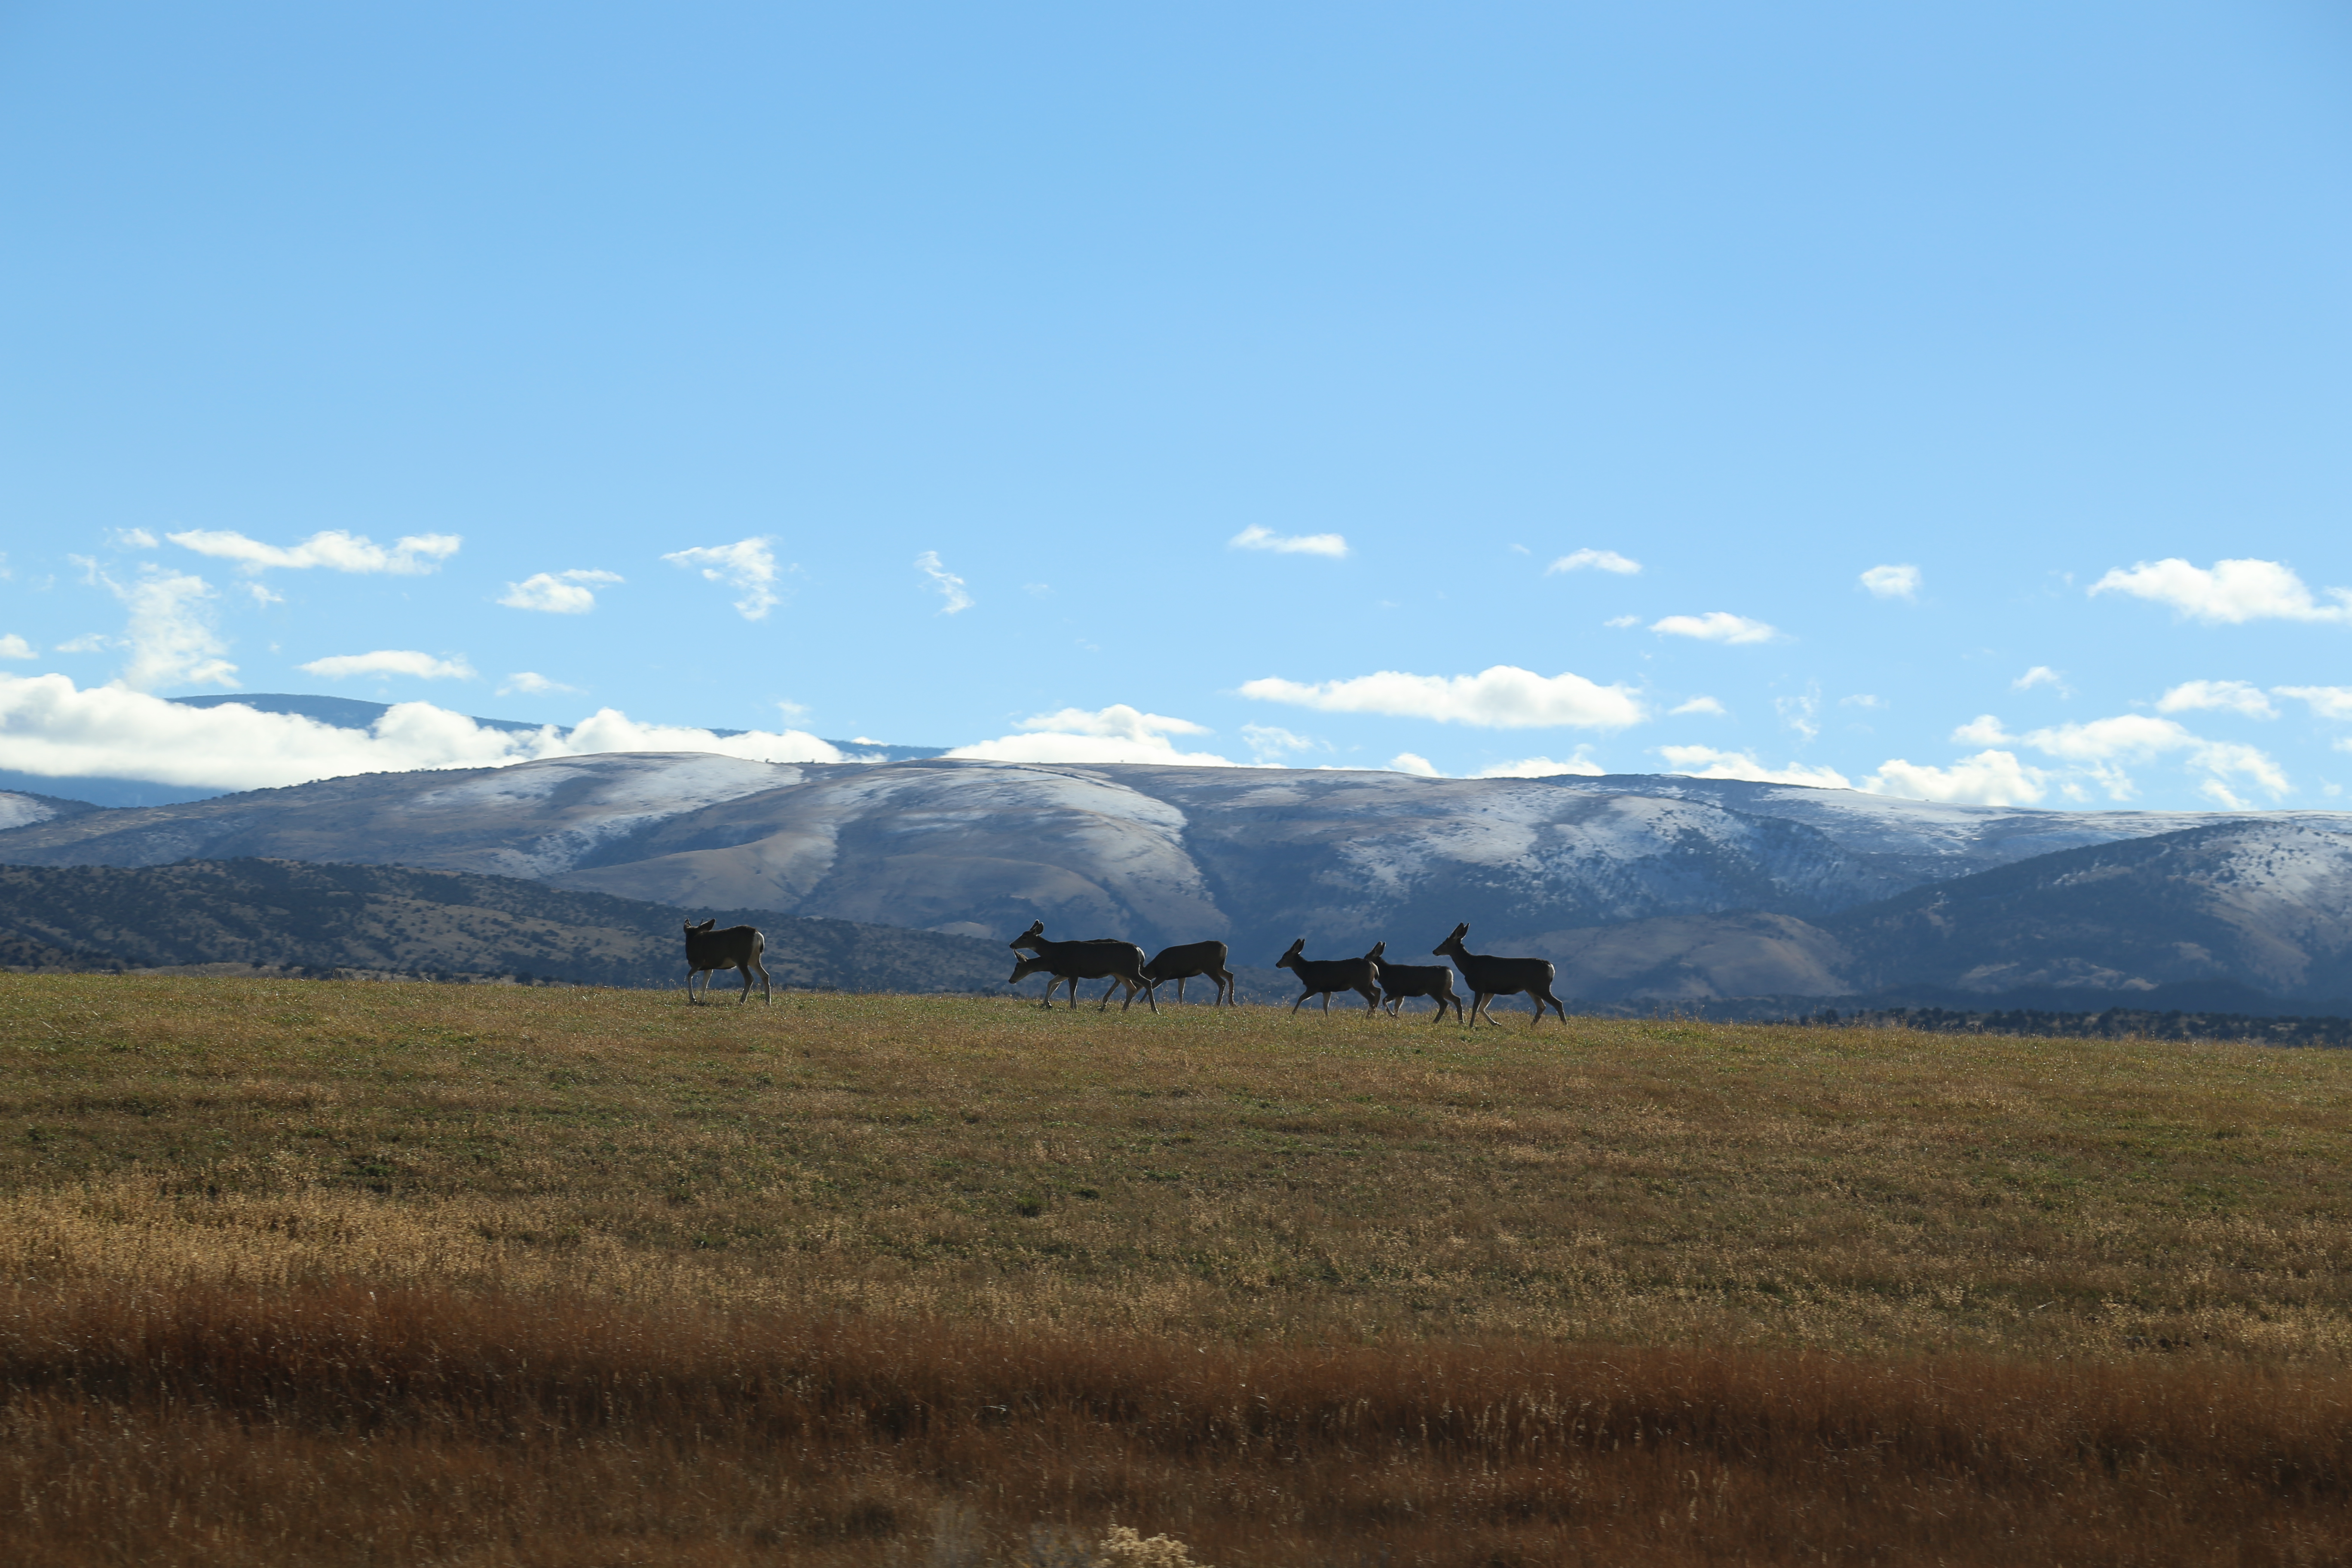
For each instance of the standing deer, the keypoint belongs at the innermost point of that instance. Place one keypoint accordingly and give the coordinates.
(1321, 976)
(737, 947)
(1399, 981)
(1490, 977)
(1121, 962)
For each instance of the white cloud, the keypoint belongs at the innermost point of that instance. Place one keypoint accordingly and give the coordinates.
(2232, 593)
(1706, 762)
(14, 647)
(1715, 626)
(2128, 737)
(1415, 763)
(1117, 734)
(1254, 537)
(530, 683)
(1623, 621)
(1862, 700)
(1984, 730)
(1598, 560)
(1503, 697)
(1543, 768)
(335, 549)
(1701, 705)
(390, 661)
(2235, 696)
(572, 593)
(950, 585)
(2327, 701)
(88, 642)
(170, 632)
(1989, 778)
(49, 728)
(1893, 582)
(261, 596)
(134, 539)
(2041, 675)
(746, 565)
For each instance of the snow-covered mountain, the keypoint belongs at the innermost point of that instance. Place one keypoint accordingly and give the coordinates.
(1579, 869)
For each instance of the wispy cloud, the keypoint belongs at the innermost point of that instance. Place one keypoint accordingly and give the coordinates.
(1117, 734)
(747, 566)
(1595, 560)
(1893, 582)
(2041, 675)
(530, 683)
(2233, 695)
(1503, 697)
(2231, 593)
(1701, 705)
(2326, 701)
(572, 593)
(950, 586)
(1255, 537)
(1706, 762)
(1267, 741)
(1413, 762)
(169, 630)
(134, 539)
(334, 549)
(1715, 626)
(389, 662)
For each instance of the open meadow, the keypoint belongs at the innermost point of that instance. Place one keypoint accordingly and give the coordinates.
(382, 1273)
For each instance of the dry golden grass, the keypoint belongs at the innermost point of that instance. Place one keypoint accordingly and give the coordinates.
(312, 1271)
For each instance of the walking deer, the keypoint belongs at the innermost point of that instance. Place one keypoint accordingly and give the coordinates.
(1322, 976)
(1120, 962)
(1399, 981)
(1187, 961)
(737, 947)
(1490, 977)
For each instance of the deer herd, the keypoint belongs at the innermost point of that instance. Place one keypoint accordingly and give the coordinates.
(1373, 977)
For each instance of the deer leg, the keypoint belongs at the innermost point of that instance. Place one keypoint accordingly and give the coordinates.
(1295, 1006)
(763, 968)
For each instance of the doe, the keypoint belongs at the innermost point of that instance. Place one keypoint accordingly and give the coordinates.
(737, 947)
(1490, 977)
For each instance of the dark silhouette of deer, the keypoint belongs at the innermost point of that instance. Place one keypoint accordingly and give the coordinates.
(1399, 981)
(1187, 961)
(1490, 977)
(1322, 976)
(737, 947)
(1120, 962)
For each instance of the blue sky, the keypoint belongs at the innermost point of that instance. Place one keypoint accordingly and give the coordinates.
(910, 373)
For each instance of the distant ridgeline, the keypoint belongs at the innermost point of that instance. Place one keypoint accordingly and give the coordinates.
(323, 921)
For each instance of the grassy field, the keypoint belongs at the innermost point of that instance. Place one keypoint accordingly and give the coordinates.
(389, 1273)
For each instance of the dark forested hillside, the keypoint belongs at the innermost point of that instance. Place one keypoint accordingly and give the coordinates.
(319, 918)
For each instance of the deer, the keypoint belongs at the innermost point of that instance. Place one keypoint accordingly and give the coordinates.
(1322, 976)
(1399, 981)
(737, 947)
(1190, 961)
(1121, 962)
(1490, 977)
